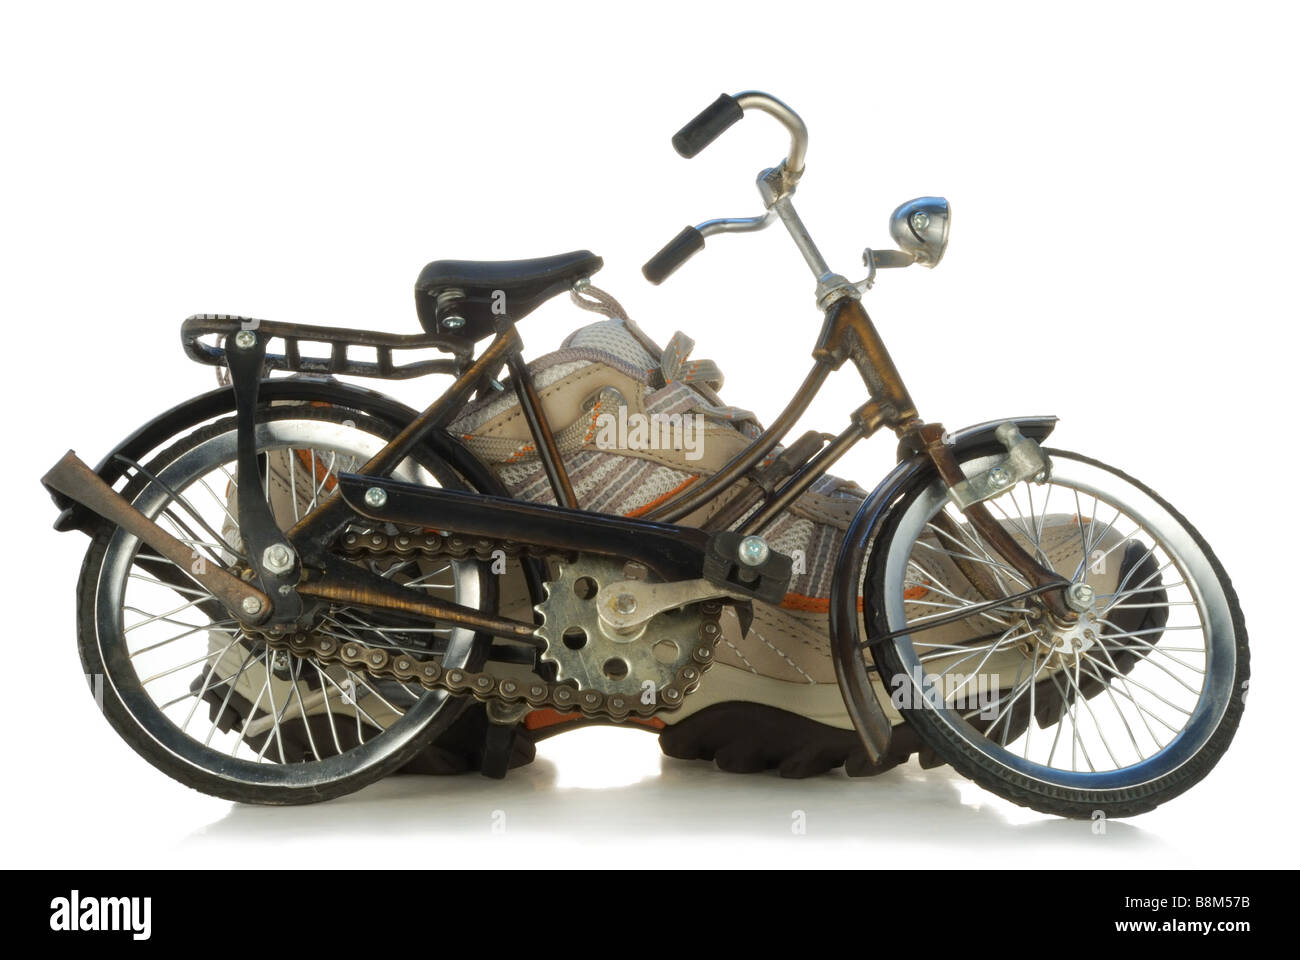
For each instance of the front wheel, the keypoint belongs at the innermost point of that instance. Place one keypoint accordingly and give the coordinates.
(1111, 715)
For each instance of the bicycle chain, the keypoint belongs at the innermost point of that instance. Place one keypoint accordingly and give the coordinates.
(382, 663)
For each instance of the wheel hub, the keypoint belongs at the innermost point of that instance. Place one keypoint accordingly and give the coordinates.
(1065, 642)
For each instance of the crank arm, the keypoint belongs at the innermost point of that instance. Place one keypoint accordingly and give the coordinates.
(72, 478)
(626, 606)
(343, 582)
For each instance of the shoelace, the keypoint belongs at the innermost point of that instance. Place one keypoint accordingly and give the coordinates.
(675, 365)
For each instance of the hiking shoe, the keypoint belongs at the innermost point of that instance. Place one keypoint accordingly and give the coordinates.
(770, 699)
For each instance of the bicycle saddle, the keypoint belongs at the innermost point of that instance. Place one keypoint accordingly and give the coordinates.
(463, 298)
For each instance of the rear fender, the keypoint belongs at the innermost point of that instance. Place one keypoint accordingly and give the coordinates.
(221, 402)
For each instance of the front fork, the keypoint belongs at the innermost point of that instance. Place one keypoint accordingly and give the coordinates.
(849, 334)
(931, 439)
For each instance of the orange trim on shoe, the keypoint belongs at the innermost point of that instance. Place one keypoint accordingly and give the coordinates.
(647, 507)
(595, 417)
(320, 472)
(519, 454)
(797, 601)
(546, 717)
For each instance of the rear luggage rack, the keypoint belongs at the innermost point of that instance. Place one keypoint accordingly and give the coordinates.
(339, 341)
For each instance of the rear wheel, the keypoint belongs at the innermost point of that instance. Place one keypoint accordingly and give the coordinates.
(1116, 713)
(214, 707)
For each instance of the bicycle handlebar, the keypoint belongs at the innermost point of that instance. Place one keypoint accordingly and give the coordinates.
(701, 131)
(676, 252)
(708, 125)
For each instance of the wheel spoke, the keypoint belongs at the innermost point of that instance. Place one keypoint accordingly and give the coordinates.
(185, 653)
(1110, 692)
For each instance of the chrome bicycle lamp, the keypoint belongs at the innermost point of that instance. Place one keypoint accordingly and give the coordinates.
(920, 229)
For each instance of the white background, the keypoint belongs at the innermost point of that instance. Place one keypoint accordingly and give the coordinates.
(1123, 254)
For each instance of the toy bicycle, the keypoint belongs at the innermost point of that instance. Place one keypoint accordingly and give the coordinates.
(295, 585)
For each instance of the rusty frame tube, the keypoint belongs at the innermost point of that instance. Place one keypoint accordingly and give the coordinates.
(698, 494)
(440, 412)
(849, 334)
(321, 522)
(866, 421)
(757, 490)
(341, 582)
(543, 439)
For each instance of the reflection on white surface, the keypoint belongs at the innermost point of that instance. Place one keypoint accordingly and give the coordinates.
(623, 758)
(606, 797)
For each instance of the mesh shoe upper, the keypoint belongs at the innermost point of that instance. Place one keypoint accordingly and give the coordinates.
(603, 366)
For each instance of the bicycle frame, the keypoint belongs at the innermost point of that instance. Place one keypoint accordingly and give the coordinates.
(847, 334)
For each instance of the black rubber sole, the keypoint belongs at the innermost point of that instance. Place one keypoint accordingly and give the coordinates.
(738, 737)
(753, 738)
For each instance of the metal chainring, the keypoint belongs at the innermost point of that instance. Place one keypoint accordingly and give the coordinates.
(510, 691)
(586, 652)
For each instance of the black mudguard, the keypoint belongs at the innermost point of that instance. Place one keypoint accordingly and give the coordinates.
(860, 699)
(221, 402)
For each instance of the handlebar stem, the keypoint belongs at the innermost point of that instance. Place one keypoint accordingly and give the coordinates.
(781, 203)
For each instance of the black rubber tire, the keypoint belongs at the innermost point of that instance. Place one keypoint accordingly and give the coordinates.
(1009, 784)
(126, 726)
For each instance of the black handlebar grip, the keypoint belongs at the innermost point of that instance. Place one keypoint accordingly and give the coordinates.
(708, 126)
(676, 252)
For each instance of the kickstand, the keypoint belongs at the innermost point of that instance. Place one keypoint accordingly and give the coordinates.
(499, 740)
(498, 747)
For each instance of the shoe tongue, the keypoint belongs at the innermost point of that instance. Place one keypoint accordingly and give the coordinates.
(610, 336)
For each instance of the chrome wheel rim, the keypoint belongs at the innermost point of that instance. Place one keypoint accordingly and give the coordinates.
(386, 716)
(1140, 726)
